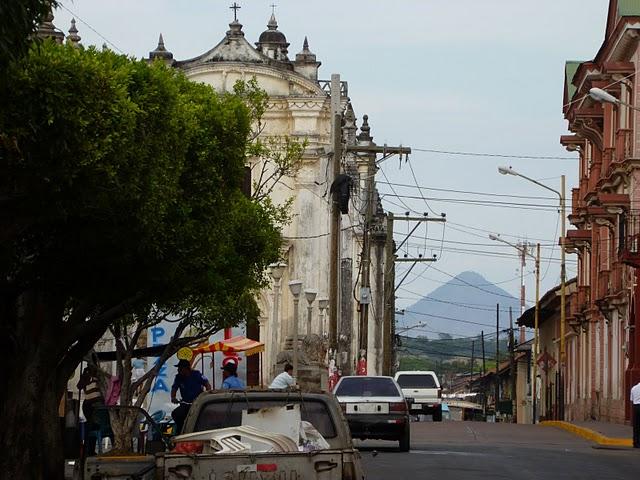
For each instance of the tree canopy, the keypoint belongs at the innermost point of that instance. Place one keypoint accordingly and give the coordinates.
(120, 188)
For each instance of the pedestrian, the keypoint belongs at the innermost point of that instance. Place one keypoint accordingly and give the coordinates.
(284, 380)
(230, 380)
(191, 383)
(635, 401)
(93, 400)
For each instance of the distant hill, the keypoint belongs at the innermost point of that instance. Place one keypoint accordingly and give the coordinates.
(468, 297)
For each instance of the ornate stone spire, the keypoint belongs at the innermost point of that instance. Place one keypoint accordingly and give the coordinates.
(365, 131)
(273, 23)
(73, 38)
(306, 62)
(349, 126)
(48, 30)
(161, 52)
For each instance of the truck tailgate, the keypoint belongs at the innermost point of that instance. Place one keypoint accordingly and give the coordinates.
(320, 465)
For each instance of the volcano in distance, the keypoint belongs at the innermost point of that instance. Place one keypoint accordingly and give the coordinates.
(463, 306)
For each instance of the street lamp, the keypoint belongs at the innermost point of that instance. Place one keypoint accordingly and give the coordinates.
(599, 95)
(323, 304)
(536, 347)
(277, 271)
(563, 274)
(295, 286)
(310, 296)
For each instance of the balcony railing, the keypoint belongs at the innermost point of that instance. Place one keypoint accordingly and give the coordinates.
(617, 273)
(584, 297)
(629, 234)
(624, 144)
(603, 284)
(608, 157)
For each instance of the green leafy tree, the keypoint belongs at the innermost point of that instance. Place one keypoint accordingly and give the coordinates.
(273, 158)
(19, 20)
(120, 191)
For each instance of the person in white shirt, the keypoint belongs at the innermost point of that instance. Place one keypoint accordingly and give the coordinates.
(284, 380)
(635, 401)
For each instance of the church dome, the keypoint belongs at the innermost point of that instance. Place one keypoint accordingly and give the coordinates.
(273, 42)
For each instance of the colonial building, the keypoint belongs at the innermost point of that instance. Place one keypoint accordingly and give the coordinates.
(301, 106)
(603, 332)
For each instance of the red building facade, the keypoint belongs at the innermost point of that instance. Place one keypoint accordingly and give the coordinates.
(603, 342)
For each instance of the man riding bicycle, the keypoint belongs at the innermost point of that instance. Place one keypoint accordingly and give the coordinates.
(191, 383)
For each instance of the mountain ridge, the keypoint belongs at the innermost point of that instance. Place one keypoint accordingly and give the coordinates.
(464, 306)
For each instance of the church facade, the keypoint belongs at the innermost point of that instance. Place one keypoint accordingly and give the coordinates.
(301, 107)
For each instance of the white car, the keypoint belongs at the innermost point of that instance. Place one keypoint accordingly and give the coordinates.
(424, 388)
(375, 408)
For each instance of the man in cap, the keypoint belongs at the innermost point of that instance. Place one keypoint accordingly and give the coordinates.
(230, 377)
(191, 383)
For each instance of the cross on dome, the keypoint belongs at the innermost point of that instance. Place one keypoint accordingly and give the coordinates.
(273, 8)
(235, 7)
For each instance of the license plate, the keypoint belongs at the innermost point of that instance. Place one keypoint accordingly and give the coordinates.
(367, 408)
(416, 406)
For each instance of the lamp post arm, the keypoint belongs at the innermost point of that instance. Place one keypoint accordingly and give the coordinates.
(541, 185)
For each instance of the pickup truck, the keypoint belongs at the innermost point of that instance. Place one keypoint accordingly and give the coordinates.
(424, 389)
(216, 410)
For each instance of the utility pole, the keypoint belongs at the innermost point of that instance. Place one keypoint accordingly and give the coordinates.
(512, 367)
(473, 359)
(334, 291)
(484, 367)
(389, 298)
(523, 263)
(369, 150)
(497, 356)
(536, 346)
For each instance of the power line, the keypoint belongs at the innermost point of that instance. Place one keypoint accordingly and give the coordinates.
(419, 189)
(75, 15)
(470, 322)
(468, 192)
(473, 286)
(481, 203)
(499, 155)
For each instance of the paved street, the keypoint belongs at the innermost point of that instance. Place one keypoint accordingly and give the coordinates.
(474, 450)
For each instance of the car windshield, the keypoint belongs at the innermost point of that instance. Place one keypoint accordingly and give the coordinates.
(229, 414)
(367, 387)
(416, 381)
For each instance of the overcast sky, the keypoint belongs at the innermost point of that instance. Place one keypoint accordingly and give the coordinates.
(481, 76)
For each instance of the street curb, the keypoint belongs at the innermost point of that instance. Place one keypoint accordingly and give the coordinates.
(589, 434)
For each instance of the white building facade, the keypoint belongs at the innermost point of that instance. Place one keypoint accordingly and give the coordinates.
(300, 107)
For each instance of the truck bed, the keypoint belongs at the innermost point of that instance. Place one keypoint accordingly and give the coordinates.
(316, 465)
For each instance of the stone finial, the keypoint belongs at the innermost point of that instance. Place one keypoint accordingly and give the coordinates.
(365, 130)
(349, 125)
(73, 38)
(161, 52)
(48, 30)
(273, 24)
(235, 29)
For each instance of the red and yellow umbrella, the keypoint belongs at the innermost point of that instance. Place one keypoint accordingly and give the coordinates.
(233, 345)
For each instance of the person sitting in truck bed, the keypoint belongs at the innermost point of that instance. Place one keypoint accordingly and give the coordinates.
(191, 383)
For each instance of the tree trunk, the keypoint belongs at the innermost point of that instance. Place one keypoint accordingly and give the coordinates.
(30, 434)
(122, 424)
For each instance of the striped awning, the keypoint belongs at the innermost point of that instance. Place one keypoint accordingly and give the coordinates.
(233, 345)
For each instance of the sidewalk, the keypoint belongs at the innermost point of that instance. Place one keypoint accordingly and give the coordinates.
(602, 433)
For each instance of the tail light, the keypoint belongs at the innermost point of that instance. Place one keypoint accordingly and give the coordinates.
(439, 393)
(398, 407)
(189, 448)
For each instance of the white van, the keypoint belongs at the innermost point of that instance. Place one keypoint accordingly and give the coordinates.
(424, 388)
